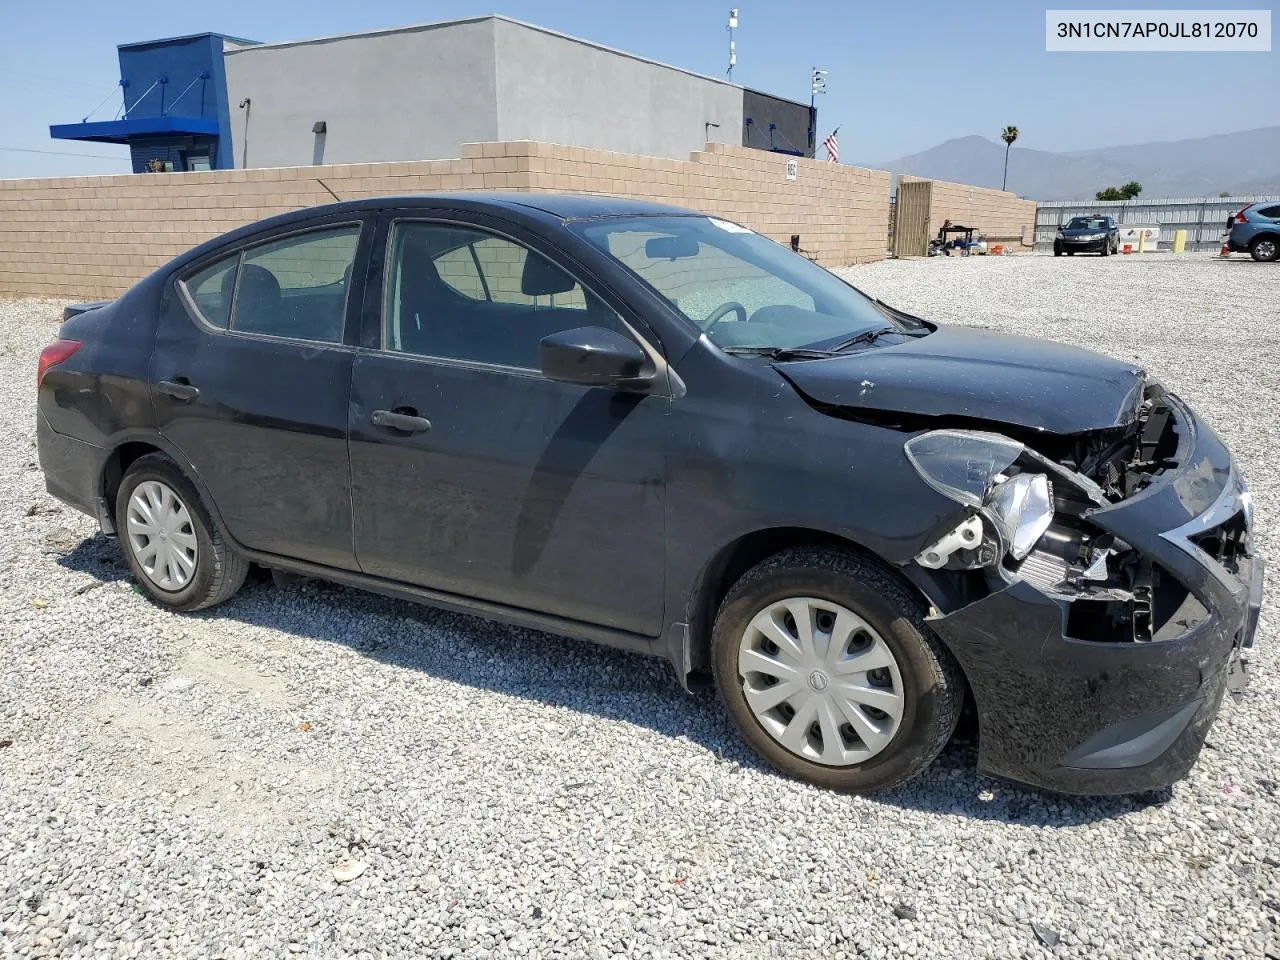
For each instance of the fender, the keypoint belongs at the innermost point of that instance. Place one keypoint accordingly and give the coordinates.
(105, 506)
(688, 641)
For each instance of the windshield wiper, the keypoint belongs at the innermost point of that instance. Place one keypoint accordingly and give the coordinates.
(780, 353)
(866, 336)
(896, 314)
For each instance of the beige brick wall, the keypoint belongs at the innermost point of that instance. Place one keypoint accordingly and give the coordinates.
(86, 237)
(1000, 216)
(839, 211)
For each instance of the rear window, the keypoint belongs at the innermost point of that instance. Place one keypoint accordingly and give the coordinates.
(212, 289)
(297, 287)
(294, 287)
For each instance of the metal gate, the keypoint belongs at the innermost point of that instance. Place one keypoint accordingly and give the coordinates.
(911, 227)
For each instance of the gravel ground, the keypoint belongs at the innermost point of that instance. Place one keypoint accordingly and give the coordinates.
(187, 785)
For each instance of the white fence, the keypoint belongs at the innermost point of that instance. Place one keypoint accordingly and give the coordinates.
(1204, 218)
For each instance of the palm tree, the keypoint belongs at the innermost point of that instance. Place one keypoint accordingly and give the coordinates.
(1008, 135)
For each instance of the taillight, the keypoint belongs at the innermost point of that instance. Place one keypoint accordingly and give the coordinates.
(54, 354)
(1240, 217)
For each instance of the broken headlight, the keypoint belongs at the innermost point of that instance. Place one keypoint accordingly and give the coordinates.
(1026, 518)
(970, 468)
(962, 464)
(1023, 505)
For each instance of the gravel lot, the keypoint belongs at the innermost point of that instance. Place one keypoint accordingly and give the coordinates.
(186, 785)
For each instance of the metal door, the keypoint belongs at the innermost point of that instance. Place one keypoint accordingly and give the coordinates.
(911, 231)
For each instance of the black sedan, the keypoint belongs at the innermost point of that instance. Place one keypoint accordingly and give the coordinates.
(1098, 235)
(659, 430)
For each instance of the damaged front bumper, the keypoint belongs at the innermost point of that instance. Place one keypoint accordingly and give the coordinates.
(1067, 709)
(1083, 717)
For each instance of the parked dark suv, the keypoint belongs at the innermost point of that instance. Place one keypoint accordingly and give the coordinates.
(659, 430)
(1092, 234)
(1256, 230)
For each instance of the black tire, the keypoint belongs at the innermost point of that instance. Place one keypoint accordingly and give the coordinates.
(1057, 250)
(1265, 249)
(1106, 250)
(1071, 253)
(933, 686)
(219, 571)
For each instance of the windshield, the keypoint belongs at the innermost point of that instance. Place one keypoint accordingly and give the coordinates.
(739, 288)
(1087, 223)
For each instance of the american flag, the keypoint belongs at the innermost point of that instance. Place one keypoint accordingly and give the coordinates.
(832, 143)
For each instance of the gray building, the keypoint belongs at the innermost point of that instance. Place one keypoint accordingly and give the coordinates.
(419, 93)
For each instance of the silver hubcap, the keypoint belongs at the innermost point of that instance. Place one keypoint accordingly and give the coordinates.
(161, 536)
(1266, 249)
(821, 681)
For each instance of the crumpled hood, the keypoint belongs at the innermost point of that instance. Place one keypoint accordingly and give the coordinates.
(964, 372)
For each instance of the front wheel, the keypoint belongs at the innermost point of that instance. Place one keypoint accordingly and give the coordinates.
(825, 664)
(174, 551)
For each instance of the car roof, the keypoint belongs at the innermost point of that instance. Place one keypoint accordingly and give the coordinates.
(547, 207)
(561, 206)
(578, 206)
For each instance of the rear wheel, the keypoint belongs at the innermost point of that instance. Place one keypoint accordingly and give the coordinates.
(1265, 249)
(173, 549)
(826, 666)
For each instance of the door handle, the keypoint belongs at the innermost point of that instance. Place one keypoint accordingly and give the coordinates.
(180, 390)
(400, 421)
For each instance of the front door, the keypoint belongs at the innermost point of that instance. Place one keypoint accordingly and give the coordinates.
(473, 474)
(250, 380)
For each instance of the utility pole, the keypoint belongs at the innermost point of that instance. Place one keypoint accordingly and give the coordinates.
(733, 53)
(817, 85)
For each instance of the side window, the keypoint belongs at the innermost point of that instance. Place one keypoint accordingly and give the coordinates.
(458, 268)
(297, 286)
(502, 263)
(1272, 212)
(464, 294)
(212, 289)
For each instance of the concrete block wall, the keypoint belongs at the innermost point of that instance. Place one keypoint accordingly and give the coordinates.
(1001, 216)
(838, 211)
(90, 237)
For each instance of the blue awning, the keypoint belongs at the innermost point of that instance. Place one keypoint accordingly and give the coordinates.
(122, 131)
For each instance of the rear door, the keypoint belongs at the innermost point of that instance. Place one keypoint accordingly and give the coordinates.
(473, 474)
(250, 379)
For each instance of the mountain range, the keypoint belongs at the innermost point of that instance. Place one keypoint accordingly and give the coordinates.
(1242, 164)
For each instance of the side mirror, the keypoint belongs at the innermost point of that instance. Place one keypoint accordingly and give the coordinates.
(595, 357)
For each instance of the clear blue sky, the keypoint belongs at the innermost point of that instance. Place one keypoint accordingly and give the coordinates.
(903, 77)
